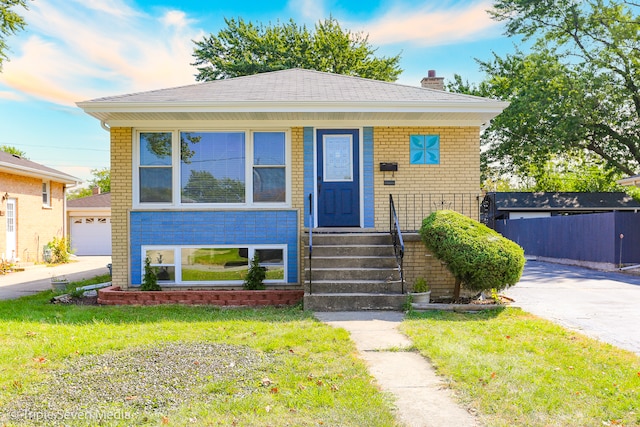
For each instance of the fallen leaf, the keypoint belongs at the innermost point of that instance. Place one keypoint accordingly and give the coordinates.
(320, 383)
(267, 408)
(266, 382)
(274, 390)
(31, 334)
(508, 337)
(493, 374)
(40, 359)
(130, 397)
(334, 387)
(165, 420)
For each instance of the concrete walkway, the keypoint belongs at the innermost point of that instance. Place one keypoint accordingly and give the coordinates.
(422, 398)
(38, 278)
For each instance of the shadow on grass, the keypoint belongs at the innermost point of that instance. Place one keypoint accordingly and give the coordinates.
(451, 316)
(38, 308)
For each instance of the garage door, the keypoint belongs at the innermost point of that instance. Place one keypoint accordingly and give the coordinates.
(91, 235)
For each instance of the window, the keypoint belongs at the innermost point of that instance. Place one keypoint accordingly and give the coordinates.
(155, 167)
(46, 194)
(217, 167)
(212, 167)
(225, 265)
(269, 174)
(163, 261)
(424, 149)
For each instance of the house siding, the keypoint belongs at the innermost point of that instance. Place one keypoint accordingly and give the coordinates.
(209, 228)
(36, 225)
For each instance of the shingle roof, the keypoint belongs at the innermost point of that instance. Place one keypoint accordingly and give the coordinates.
(97, 201)
(563, 201)
(20, 166)
(294, 85)
(292, 94)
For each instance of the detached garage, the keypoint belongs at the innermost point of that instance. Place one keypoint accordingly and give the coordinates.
(90, 224)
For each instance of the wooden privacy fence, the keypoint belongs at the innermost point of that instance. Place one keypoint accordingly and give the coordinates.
(611, 237)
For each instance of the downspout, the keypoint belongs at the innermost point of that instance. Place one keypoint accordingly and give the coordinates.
(105, 126)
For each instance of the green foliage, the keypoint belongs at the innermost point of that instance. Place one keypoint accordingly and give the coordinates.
(244, 48)
(60, 250)
(13, 150)
(150, 278)
(421, 285)
(101, 179)
(10, 23)
(255, 276)
(575, 91)
(478, 257)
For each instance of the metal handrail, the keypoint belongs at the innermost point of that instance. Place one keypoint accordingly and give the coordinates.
(396, 237)
(310, 240)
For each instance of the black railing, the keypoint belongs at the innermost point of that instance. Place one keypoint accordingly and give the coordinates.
(396, 237)
(413, 208)
(310, 241)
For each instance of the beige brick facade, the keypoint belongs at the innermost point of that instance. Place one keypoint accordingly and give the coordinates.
(121, 199)
(36, 225)
(453, 184)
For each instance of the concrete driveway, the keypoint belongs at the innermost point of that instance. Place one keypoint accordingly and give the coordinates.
(38, 278)
(602, 305)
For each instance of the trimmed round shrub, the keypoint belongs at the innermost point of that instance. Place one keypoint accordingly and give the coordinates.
(478, 257)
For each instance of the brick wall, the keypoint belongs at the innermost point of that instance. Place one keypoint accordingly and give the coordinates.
(121, 199)
(457, 173)
(36, 225)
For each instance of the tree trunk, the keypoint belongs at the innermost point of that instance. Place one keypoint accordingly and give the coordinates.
(456, 290)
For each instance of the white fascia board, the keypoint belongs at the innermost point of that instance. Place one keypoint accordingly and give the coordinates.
(495, 107)
(632, 180)
(35, 173)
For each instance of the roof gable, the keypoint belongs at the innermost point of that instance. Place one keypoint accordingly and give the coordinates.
(17, 165)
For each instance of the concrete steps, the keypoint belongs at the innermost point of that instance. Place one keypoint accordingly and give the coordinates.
(352, 272)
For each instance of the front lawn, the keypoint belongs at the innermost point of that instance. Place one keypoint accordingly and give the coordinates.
(519, 370)
(179, 365)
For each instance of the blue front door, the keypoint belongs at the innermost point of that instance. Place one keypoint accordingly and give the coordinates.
(338, 178)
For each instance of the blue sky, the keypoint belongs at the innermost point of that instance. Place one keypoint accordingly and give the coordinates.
(75, 50)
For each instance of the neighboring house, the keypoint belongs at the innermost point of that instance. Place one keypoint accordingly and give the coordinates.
(32, 207)
(631, 180)
(203, 177)
(523, 205)
(90, 224)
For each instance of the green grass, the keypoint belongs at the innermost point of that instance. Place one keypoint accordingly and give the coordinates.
(316, 376)
(519, 370)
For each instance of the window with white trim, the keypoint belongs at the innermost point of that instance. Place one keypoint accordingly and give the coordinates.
(215, 264)
(222, 168)
(46, 194)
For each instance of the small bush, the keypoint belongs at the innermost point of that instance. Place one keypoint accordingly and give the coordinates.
(150, 278)
(255, 276)
(478, 257)
(60, 250)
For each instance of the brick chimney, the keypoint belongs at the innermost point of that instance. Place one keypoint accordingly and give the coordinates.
(432, 82)
(95, 190)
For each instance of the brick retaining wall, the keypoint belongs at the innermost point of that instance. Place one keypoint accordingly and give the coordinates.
(113, 295)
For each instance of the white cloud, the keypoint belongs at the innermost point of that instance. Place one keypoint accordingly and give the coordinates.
(430, 25)
(310, 10)
(77, 50)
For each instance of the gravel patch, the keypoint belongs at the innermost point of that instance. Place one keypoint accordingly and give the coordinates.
(138, 381)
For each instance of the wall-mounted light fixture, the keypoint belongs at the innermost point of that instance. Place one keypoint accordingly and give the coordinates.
(5, 197)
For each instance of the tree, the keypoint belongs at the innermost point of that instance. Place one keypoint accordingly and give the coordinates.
(244, 48)
(101, 179)
(10, 23)
(478, 257)
(13, 150)
(576, 92)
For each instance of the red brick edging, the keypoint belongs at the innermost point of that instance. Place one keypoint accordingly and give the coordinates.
(113, 295)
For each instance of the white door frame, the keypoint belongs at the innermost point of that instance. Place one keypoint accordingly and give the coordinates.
(11, 227)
